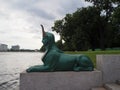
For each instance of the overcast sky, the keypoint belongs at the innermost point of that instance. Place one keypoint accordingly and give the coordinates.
(20, 19)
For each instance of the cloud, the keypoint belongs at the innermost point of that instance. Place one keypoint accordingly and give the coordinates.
(20, 19)
(29, 7)
(62, 7)
(71, 6)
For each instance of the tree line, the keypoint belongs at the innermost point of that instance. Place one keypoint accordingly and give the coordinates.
(96, 26)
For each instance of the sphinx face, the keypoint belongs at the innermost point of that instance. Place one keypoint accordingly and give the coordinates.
(45, 41)
(48, 40)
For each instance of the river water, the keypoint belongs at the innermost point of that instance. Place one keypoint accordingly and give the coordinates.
(12, 64)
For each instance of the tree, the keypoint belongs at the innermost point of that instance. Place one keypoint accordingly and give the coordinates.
(86, 27)
(79, 29)
(93, 27)
(58, 27)
(59, 45)
(65, 30)
(105, 9)
(116, 25)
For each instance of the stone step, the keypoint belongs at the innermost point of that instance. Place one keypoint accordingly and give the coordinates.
(118, 82)
(112, 86)
(99, 88)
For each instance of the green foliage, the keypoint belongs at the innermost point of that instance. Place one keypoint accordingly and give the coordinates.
(92, 27)
(109, 9)
(58, 26)
(59, 44)
(116, 23)
(74, 31)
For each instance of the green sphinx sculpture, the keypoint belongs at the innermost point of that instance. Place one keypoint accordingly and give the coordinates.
(55, 60)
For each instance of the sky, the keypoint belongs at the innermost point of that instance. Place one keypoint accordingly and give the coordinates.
(20, 20)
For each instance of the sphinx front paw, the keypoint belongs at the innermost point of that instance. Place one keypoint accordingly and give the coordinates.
(29, 70)
(32, 69)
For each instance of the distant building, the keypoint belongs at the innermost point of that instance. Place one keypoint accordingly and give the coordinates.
(15, 48)
(3, 47)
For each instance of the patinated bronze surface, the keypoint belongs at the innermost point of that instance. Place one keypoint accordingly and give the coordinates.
(56, 60)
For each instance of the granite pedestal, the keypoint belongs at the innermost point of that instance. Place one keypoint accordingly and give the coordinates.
(60, 80)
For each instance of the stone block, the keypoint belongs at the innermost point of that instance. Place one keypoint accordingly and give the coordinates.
(68, 80)
(110, 67)
(112, 86)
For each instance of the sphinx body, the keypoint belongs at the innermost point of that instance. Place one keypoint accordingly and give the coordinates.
(56, 60)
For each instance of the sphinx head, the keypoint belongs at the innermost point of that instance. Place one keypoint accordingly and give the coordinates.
(48, 38)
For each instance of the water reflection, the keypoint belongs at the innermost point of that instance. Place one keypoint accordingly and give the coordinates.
(12, 63)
